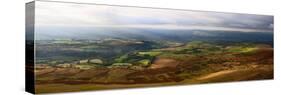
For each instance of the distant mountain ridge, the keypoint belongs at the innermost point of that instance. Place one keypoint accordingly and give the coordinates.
(89, 33)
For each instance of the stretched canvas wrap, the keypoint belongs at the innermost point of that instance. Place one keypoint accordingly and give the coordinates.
(79, 47)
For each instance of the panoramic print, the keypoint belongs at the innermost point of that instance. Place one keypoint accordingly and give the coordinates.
(81, 47)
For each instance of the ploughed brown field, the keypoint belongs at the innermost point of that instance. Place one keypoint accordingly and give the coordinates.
(167, 68)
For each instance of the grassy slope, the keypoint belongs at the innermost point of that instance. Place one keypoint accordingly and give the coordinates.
(205, 74)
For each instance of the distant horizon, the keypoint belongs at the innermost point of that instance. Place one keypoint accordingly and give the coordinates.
(69, 15)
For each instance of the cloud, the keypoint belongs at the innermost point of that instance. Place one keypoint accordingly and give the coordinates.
(78, 15)
(177, 27)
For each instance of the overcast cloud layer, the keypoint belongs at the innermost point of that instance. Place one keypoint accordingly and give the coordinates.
(50, 14)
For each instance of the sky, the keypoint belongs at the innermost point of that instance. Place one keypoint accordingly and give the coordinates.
(52, 14)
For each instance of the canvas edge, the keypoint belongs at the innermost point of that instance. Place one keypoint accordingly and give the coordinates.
(29, 47)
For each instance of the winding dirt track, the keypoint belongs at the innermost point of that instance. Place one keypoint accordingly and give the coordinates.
(239, 74)
(216, 74)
